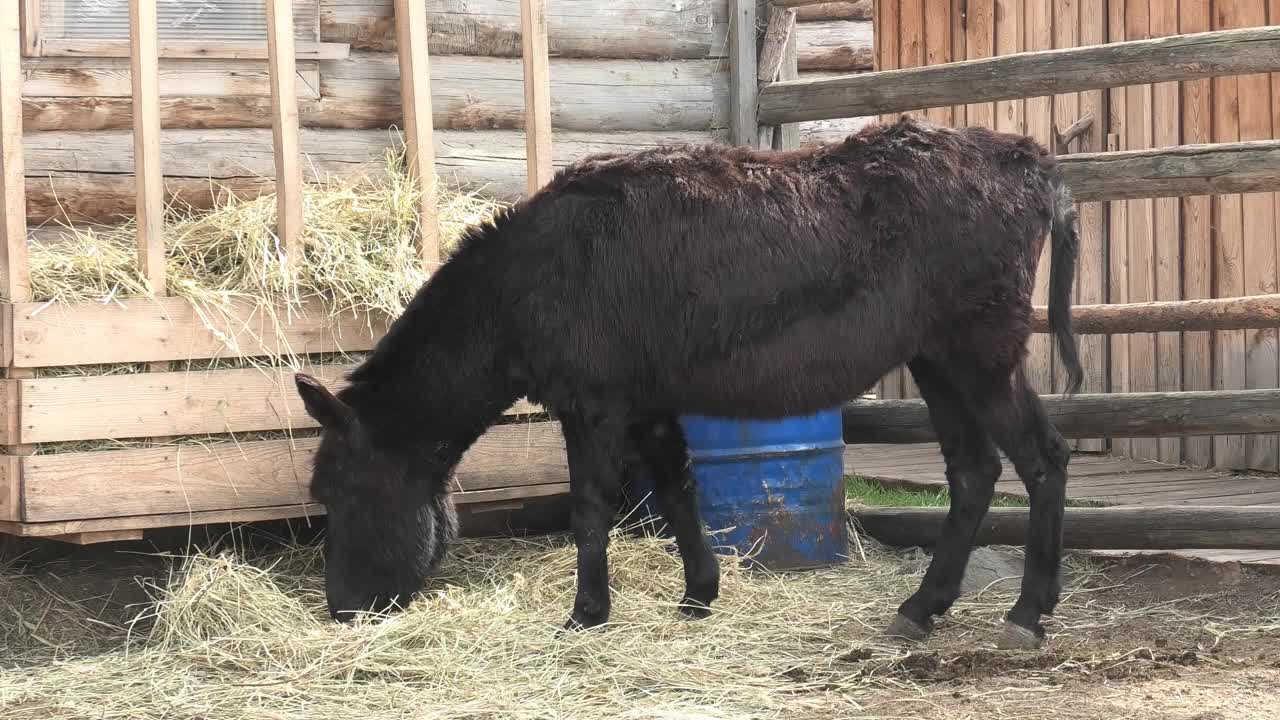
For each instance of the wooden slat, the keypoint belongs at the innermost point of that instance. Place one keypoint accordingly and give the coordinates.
(193, 478)
(218, 49)
(1038, 118)
(887, 42)
(10, 488)
(1229, 363)
(109, 77)
(742, 72)
(170, 329)
(415, 94)
(834, 46)
(787, 136)
(537, 92)
(911, 53)
(938, 49)
(194, 402)
(979, 43)
(1065, 110)
(30, 22)
(1118, 221)
(144, 73)
(1212, 169)
(848, 10)
(284, 130)
(1197, 258)
(102, 536)
(15, 281)
(1023, 75)
(465, 500)
(1091, 271)
(778, 32)
(1258, 209)
(1229, 313)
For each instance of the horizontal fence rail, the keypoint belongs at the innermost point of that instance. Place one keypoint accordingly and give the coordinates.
(1023, 75)
(1114, 528)
(1211, 169)
(1234, 313)
(1127, 415)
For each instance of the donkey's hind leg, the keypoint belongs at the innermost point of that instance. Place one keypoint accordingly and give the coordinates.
(973, 466)
(660, 444)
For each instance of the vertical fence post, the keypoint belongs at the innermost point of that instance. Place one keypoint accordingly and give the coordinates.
(742, 73)
(415, 98)
(13, 205)
(284, 128)
(144, 69)
(537, 91)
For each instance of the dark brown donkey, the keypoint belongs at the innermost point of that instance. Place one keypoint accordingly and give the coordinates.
(717, 281)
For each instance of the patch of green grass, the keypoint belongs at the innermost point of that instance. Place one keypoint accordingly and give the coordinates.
(873, 494)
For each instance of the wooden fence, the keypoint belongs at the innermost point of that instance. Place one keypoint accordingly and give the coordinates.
(1162, 214)
(96, 495)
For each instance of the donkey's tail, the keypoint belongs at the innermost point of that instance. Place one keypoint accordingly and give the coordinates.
(1064, 241)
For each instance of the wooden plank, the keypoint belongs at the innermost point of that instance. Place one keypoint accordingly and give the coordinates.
(109, 77)
(887, 43)
(102, 536)
(414, 70)
(537, 91)
(1262, 365)
(190, 402)
(254, 514)
(1197, 258)
(1230, 313)
(1156, 528)
(777, 34)
(284, 130)
(144, 75)
(195, 478)
(1214, 169)
(641, 29)
(1228, 220)
(1091, 271)
(15, 281)
(1065, 110)
(109, 198)
(835, 45)
(788, 136)
(979, 45)
(10, 488)
(1146, 415)
(30, 27)
(1166, 230)
(169, 329)
(742, 73)
(911, 53)
(808, 12)
(1183, 57)
(1037, 118)
(1118, 221)
(201, 50)
(938, 49)
(1138, 128)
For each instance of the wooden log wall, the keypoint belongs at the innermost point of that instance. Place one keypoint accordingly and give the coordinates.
(622, 75)
(1134, 250)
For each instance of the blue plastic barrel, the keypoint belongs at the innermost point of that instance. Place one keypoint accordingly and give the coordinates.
(774, 489)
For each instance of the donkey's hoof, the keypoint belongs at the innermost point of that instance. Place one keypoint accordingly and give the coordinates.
(904, 627)
(1016, 637)
(694, 609)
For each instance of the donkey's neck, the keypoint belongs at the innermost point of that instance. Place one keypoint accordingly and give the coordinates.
(441, 375)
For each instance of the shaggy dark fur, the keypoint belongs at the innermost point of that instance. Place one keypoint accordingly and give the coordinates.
(717, 281)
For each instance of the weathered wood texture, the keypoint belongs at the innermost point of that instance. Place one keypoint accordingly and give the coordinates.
(537, 93)
(467, 93)
(1186, 57)
(1212, 169)
(1139, 415)
(110, 77)
(1232, 313)
(84, 176)
(414, 70)
(645, 29)
(1121, 528)
(199, 478)
(834, 45)
(808, 11)
(15, 280)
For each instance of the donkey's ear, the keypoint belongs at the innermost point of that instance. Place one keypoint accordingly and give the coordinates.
(321, 404)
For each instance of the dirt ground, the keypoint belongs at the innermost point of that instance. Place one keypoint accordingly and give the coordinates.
(1182, 639)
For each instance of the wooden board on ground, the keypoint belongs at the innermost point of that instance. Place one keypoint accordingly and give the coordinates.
(194, 478)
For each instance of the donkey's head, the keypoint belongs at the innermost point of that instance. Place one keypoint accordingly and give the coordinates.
(389, 517)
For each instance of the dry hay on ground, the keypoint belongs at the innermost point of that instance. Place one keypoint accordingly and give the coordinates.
(230, 639)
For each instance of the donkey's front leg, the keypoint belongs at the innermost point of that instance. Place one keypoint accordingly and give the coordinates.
(595, 446)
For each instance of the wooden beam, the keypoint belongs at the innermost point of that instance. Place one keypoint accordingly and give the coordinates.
(15, 281)
(787, 136)
(742, 73)
(1230, 313)
(101, 536)
(835, 46)
(1034, 74)
(215, 49)
(1211, 169)
(537, 92)
(809, 11)
(1110, 528)
(284, 129)
(144, 69)
(1125, 415)
(863, 7)
(776, 35)
(415, 97)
